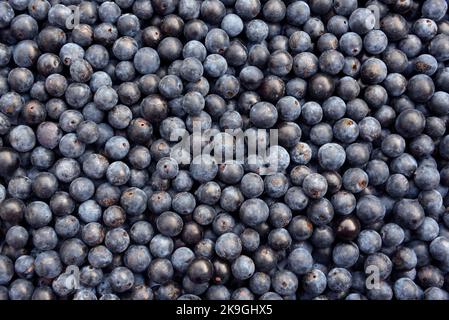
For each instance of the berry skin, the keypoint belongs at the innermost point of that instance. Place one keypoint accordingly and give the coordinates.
(315, 186)
(300, 261)
(228, 246)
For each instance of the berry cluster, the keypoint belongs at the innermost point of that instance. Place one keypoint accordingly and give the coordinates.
(94, 203)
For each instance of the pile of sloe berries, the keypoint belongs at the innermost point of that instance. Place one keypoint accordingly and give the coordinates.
(95, 205)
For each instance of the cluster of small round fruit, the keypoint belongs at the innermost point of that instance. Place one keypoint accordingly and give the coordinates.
(95, 205)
